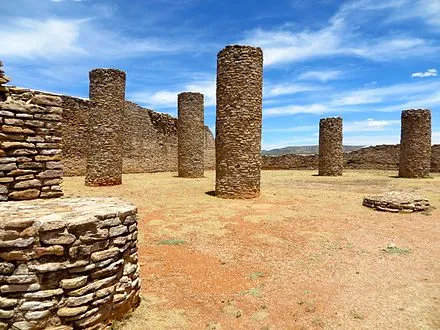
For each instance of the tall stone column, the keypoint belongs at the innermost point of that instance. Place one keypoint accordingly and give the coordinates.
(105, 150)
(238, 122)
(331, 154)
(191, 135)
(415, 144)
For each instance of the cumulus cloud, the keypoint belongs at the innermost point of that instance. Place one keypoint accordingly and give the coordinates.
(429, 73)
(323, 76)
(369, 125)
(338, 38)
(164, 99)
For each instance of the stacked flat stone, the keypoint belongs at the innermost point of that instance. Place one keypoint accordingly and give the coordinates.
(30, 146)
(415, 144)
(67, 263)
(395, 202)
(106, 119)
(331, 154)
(238, 122)
(191, 135)
(3, 78)
(4, 90)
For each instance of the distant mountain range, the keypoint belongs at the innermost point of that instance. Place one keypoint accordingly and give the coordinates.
(303, 150)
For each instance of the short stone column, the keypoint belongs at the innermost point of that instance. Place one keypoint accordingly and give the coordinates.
(415, 144)
(105, 150)
(331, 154)
(191, 134)
(238, 122)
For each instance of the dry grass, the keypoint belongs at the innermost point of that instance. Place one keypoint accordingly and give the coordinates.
(306, 254)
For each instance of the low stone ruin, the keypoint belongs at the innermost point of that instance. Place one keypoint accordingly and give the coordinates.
(395, 202)
(67, 263)
(30, 146)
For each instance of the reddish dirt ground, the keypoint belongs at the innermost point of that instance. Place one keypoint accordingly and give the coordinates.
(304, 255)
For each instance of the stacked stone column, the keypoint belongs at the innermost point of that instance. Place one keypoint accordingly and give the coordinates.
(104, 156)
(191, 134)
(415, 144)
(238, 122)
(331, 155)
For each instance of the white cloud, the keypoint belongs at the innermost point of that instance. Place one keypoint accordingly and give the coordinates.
(340, 38)
(435, 138)
(323, 76)
(55, 38)
(393, 93)
(372, 140)
(369, 125)
(429, 73)
(289, 89)
(31, 38)
(163, 99)
(295, 109)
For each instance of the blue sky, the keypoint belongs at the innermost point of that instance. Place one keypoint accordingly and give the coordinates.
(362, 60)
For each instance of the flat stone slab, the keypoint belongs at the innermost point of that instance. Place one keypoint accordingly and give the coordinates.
(61, 211)
(395, 202)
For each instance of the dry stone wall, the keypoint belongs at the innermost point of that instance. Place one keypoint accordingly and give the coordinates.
(191, 135)
(30, 145)
(67, 263)
(238, 122)
(415, 144)
(105, 148)
(331, 155)
(381, 157)
(149, 139)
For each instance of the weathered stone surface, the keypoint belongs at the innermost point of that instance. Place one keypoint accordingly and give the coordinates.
(92, 286)
(103, 255)
(47, 100)
(238, 122)
(17, 243)
(82, 300)
(105, 152)
(36, 305)
(395, 201)
(331, 155)
(50, 174)
(57, 238)
(27, 184)
(43, 294)
(36, 315)
(117, 231)
(74, 283)
(191, 134)
(6, 302)
(24, 194)
(20, 288)
(71, 311)
(6, 314)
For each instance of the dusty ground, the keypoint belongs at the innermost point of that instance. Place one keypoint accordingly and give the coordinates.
(305, 255)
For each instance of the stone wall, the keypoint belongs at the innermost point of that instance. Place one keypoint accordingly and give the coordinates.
(381, 157)
(31, 142)
(191, 135)
(149, 137)
(67, 263)
(104, 138)
(238, 122)
(331, 155)
(415, 144)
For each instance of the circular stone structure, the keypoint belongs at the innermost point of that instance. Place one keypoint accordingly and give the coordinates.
(331, 154)
(238, 122)
(106, 118)
(395, 202)
(191, 135)
(415, 144)
(69, 263)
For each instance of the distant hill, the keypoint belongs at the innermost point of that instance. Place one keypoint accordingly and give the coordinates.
(303, 150)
